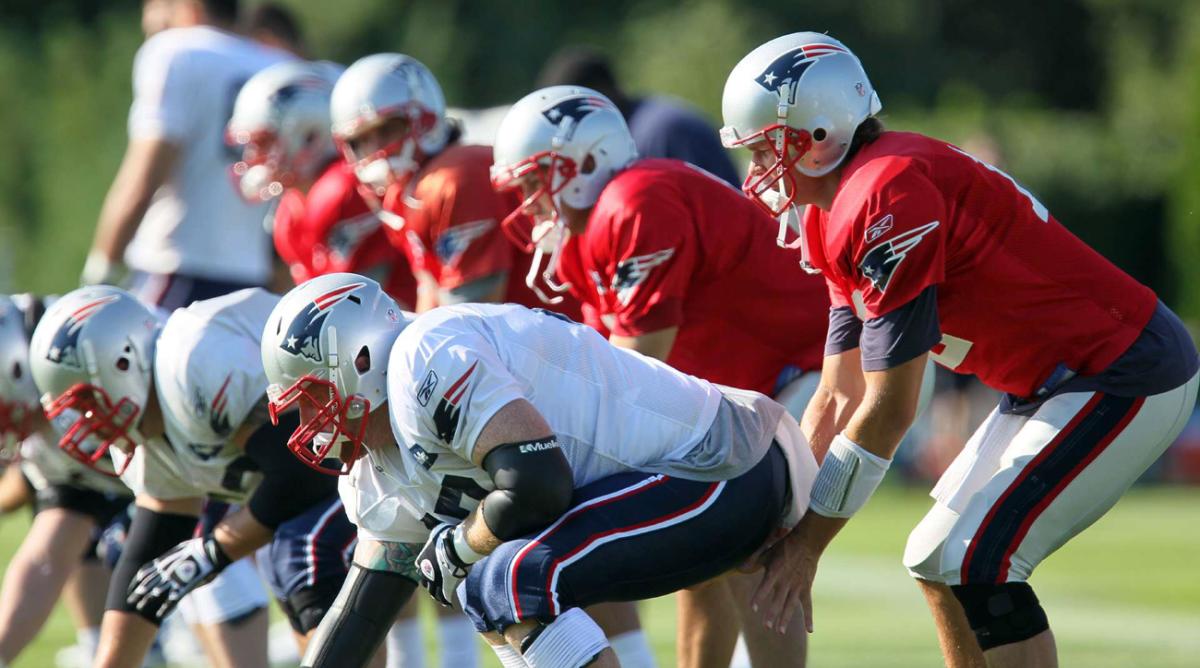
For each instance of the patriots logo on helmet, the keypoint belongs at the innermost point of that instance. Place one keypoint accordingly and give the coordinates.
(445, 416)
(454, 241)
(880, 262)
(64, 348)
(633, 271)
(782, 76)
(304, 334)
(574, 108)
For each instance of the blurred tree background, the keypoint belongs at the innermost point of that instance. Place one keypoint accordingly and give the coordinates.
(1092, 104)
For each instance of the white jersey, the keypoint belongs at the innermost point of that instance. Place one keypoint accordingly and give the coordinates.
(45, 465)
(612, 410)
(184, 83)
(208, 377)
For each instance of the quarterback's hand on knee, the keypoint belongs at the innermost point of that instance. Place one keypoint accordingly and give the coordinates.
(160, 584)
(791, 566)
(440, 566)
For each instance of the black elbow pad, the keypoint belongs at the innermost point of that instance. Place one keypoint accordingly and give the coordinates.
(534, 485)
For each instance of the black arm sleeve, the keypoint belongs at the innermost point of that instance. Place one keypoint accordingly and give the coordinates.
(150, 535)
(844, 330)
(534, 485)
(365, 608)
(288, 487)
(901, 335)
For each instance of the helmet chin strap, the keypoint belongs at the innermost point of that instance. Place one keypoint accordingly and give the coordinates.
(549, 237)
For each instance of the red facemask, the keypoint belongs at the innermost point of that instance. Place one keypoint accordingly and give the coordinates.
(99, 418)
(322, 407)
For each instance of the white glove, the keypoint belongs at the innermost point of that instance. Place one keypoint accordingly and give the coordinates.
(158, 586)
(440, 566)
(98, 269)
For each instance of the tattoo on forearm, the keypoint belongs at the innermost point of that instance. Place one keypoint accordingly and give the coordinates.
(388, 556)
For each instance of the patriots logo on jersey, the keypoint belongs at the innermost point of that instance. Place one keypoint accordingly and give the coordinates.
(782, 76)
(451, 245)
(633, 271)
(304, 334)
(345, 236)
(218, 418)
(880, 262)
(64, 347)
(445, 416)
(574, 109)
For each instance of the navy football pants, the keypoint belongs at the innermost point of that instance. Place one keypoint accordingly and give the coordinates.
(628, 537)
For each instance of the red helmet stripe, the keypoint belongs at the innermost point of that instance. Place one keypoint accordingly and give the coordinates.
(333, 296)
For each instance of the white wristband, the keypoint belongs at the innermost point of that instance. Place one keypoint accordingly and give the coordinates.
(847, 478)
(462, 548)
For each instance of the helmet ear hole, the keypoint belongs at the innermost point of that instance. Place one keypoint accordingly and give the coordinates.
(589, 165)
(16, 371)
(819, 134)
(362, 361)
(122, 364)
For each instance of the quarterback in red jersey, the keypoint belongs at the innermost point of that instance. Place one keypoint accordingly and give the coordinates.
(671, 262)
(929, 252)
(435, 194)
(322, 224)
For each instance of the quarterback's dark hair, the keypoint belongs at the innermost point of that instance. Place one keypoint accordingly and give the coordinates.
(277, 21)
(221, 11)
(866, 132)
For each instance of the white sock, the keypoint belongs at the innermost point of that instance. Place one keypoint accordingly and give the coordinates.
(570, 641)
(459, 642)
(405, 646)
(88, 640)
(509, 657)
(633, 650)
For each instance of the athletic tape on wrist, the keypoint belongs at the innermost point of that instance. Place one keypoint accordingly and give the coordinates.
(458, 538)
(847, 478)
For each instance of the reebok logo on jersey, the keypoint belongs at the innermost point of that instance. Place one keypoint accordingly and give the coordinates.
(880, 262)
(445, 416)
(426, 388)
(633, 271)
(879, 228)
(451, 245)
(64, 349)
(782, 76)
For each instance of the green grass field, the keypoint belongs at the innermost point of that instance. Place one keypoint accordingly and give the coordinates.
(1125, 593)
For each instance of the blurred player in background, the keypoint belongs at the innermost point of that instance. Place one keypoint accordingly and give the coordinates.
(930, 252)
(587, 472)
(322, 224)
(677, 265)
(171, 214)
(276, 26)
(184, 407)
(72, 503)
(661, 127)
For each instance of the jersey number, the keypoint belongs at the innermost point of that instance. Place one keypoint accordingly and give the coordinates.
(449, 503)
(1038, 208)
(951, 351)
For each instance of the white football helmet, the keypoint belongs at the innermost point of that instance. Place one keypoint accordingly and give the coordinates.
(564, 144)
(92, 353)
(805, 94)
(378, 88)
(325, 349)
(19, 408)
(281, 123)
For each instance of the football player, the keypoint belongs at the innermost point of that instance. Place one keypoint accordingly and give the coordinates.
(930, 252)
(543, 468)
(71, 503)
(170, 213)
(389, 117)
(677, 265)
(179, 407)
(280, 123)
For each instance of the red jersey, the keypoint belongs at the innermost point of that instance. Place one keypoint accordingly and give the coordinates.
(331, 229)
(452, 226)
(669, 245)
(1017, 294)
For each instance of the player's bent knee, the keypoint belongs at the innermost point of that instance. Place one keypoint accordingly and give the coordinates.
(926, 552)
(1001, 614)
(573, 639)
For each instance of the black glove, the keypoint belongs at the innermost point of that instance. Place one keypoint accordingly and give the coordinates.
(160, 584)
(440, 566)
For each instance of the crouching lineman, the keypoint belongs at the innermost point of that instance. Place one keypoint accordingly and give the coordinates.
(180, 411)
(543, 468)
(72, 503)
(928, 251)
